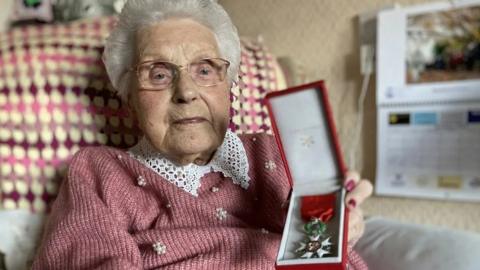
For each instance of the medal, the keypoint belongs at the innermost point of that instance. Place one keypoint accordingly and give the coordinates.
(318, 210)
(318, 243)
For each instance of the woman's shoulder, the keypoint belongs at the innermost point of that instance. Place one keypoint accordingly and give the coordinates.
(98, 164)
(260, 143)
(98, 151)
(257, 138)
(263, 153)
(97, 154)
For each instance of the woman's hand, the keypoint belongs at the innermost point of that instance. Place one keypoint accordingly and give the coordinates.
(357, 191)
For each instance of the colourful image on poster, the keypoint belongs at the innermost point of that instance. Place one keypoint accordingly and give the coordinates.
(443, 46)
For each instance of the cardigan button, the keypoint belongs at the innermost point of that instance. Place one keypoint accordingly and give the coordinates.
(270, 165)
(215, 189)
(159, 248)
(221, 213)
(141, 181)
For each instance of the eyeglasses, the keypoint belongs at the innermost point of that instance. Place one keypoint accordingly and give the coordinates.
(159, 75)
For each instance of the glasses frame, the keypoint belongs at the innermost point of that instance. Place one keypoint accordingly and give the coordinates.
(178, 69)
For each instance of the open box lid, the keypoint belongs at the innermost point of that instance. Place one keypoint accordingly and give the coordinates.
(304, 129)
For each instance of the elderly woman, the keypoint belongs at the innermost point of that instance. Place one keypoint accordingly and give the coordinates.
(191, 194)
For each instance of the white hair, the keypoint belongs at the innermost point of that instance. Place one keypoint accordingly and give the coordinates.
(119, 54)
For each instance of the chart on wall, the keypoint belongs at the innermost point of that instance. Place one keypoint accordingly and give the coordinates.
(428, 101)
(430, 151)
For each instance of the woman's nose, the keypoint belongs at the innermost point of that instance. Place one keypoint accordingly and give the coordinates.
(185, 90)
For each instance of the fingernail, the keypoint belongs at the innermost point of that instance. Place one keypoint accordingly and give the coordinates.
(352, 203)
(350, 185)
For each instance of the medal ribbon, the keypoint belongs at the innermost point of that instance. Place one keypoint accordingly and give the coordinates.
(318, 206)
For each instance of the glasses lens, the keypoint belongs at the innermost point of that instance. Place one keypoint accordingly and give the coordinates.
(160, 75)
(208, 72)
(156, 75)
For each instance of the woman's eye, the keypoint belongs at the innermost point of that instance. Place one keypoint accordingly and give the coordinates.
(159, 75)
(205, 70)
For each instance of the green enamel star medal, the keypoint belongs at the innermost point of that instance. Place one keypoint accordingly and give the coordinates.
(317, 243)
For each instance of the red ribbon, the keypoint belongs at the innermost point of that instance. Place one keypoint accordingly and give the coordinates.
(318, 206)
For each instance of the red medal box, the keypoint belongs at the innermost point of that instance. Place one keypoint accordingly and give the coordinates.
(305, 132)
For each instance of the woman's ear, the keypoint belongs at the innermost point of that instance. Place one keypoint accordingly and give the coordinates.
(129, 99)
(130, 105)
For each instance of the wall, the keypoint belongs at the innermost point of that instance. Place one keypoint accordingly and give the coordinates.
(321, 37)
(6, 6)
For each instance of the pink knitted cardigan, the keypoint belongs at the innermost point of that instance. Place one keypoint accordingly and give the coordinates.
(103, 219)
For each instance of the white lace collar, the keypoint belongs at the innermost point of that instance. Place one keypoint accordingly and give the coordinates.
(230, 159)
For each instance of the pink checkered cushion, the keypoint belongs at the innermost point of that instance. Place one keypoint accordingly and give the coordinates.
(55, 98)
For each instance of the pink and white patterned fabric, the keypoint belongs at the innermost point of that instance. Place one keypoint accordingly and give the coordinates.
(55, 98)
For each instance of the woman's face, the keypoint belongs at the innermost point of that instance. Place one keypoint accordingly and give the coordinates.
(185, 122)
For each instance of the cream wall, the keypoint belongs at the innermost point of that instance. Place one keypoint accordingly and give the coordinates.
(321, 37)
(6, 7)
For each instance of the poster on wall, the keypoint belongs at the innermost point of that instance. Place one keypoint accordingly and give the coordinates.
(430, 151)
(429, 53)
(428, 101)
